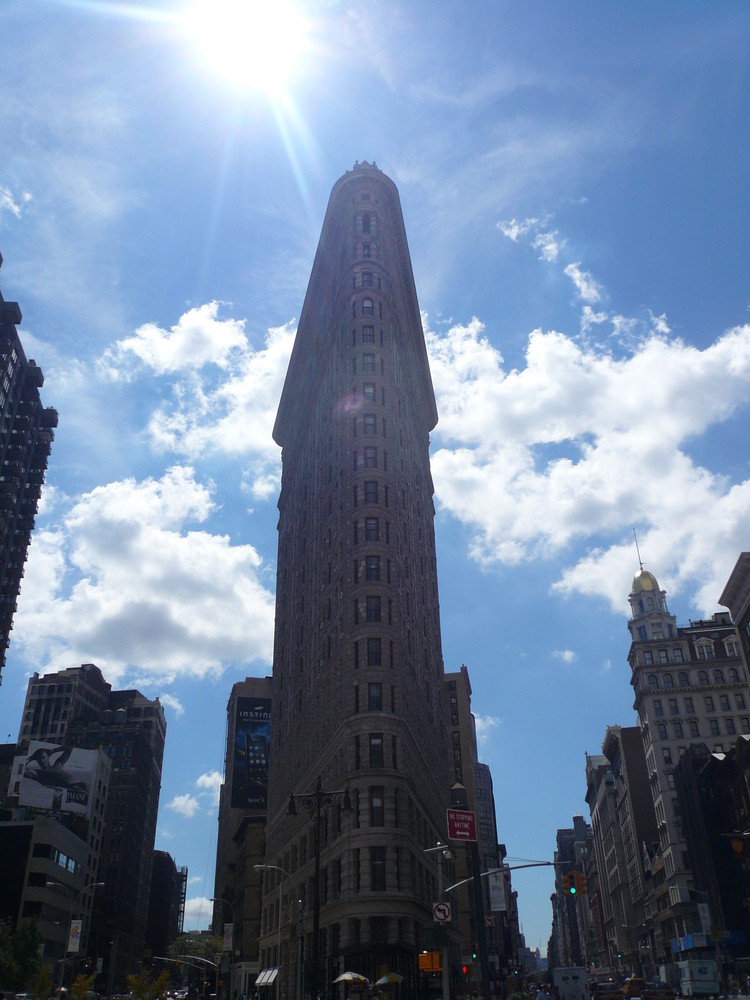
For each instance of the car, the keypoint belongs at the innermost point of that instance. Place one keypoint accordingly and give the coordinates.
(659, 991)
(634, 987)
(607, 990)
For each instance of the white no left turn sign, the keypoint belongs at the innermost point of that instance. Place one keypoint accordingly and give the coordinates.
(441, 912)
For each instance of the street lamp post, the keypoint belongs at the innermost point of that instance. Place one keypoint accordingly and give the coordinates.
(221, 899)
(73, 895)
(315, 802)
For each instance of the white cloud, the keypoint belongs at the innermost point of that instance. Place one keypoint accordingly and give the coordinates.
(485, 724)
(198, 913)
(566, 655)
(9, 203)
(127, 579)
(548, 245)
(578, 446)
(174, 703)
(514, 230)
(197, 339)
(185, 805)
(588, 290)
(225, 393)
(210, 784)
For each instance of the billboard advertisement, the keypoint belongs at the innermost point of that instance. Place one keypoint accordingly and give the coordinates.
(252, 728)
(58, 778)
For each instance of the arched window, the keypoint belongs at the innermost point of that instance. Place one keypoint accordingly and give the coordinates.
(650, 604)
(682, 679)
(668, 681)
(702, 677)
(718, 677)
(367, 308)
(653, 681)
(733, 675)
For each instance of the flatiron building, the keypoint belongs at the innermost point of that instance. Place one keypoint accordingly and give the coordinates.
(358, 702)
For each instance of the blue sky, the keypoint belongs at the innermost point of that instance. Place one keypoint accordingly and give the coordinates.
(574, 184)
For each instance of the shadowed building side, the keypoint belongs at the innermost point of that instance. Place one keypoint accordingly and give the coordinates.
(358, 669)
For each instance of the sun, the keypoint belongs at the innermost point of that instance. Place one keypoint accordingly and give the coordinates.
(254, 44)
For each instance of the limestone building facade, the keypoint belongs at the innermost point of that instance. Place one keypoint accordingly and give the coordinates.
(358, 744)
(691, 686)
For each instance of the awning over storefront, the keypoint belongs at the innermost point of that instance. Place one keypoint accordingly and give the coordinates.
(267, 977)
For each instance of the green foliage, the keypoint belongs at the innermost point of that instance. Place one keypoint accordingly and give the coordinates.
(42, 982)
(81, 986)
(19, 954)
(145, 985)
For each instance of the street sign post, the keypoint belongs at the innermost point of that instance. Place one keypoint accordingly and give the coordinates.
(462, 825)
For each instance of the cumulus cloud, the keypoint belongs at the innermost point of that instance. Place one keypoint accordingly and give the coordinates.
(579, 445)
(198, 912)
(128, 580)
(237, 415)
(210, 784)
(198, 338)
(185, 805)
(224, 393)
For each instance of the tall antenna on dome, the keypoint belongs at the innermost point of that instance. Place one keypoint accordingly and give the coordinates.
(640, 561)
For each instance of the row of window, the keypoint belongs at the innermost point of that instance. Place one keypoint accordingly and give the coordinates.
(683, 678)
(704, 648)
(371, 530)
(370, 493)
(372, 569)
(372, 609)
(678, 730)
(374, 697)
(369, 458)
(708, 704)
(368, 336)
(368, 308)
(369, 424)
(367, 279)
(376, 758)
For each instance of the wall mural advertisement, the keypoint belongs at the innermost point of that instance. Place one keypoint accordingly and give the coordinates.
(58, 778)
(252, 731)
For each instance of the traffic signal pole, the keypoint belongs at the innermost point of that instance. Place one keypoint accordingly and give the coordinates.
(481, 930)
(458, 798)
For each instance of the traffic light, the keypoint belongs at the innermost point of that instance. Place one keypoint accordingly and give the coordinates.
(581, 882)
(566, 883)
(474, 954)
(569, 884)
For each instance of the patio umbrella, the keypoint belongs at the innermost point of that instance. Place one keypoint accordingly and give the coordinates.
(351, 977)
(389, 978)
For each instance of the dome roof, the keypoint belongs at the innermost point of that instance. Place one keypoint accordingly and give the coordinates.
(643, 580)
